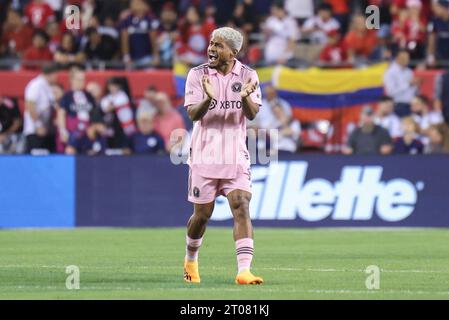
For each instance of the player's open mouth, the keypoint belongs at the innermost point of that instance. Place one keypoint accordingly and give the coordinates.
(213, 57)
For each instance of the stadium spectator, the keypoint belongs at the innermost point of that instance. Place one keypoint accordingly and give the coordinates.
(77, 112)
(10, 125)
(184, 5)
(442, 94)
(55, 36)
(222, 10)
(360, 42)
(396, 6)
(289, 130)
(281, 33)
(422, 114)
(401, 84)
(38, 13)
(138, 35)
(58, 93)
(316, 28)
(167, 34)
(262, 7)
(100, 47)
(39, 102)
(118, 116)
(107, 27)
(39, 53)
(194, 35)
(243, 17)
(68, 52)
(412, 34)
(386, 118)
(93, 142)
(166, 120)
(57, 6)
(95, 90)
(16, 36)
(300, 10)
(410, 142)
(385, 18)
(108, 12)
(341, 11)
(5, 5)
(438, 136)
(146, 140)
(335, 52)
(149, 98)
(438, 39)
(369, 138)
(270, 99)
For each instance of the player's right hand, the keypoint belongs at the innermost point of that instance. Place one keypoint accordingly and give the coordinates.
(207, 86)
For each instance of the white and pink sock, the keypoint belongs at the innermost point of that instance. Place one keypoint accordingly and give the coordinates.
(244, 249)
(193, 248)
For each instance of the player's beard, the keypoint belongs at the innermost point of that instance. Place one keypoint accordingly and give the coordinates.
(219, 63)
(213, 64)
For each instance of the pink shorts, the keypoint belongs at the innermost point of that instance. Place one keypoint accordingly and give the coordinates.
(205, 190)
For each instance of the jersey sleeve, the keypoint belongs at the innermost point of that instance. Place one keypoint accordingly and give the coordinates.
(256, 96)
(194, 90)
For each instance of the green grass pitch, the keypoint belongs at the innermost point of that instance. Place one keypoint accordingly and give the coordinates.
(295, 263)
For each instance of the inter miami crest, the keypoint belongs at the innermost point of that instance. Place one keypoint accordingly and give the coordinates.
(237, 87)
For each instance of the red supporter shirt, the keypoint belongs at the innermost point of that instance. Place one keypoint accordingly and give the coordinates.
(34, 54)
(426, 9)
(361, 44)
(339, 6)
(334, 53)
(20, 39)
(408, 31)
(39, 14)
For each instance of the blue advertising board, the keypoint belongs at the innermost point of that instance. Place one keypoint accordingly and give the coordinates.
(296, 191)
(37, 192)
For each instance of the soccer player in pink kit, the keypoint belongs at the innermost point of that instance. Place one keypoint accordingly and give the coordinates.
(220, 95)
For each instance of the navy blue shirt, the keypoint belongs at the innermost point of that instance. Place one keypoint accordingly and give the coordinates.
(84, 145)
(80, 108)
(138, 35)
(441, 30)
(416, 147)
(150, 143)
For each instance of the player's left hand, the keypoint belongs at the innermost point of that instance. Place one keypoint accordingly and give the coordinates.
(248, 88)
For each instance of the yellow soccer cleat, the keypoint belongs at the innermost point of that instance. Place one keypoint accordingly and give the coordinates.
(191, 273)
(246, 277)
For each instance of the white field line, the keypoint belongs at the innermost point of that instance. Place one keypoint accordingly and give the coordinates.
(307, 269)
(262, 288)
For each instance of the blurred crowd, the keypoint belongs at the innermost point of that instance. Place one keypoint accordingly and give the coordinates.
(155, 33)
(87, 118)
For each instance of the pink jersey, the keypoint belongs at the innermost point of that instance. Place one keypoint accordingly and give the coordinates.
(218, 145)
